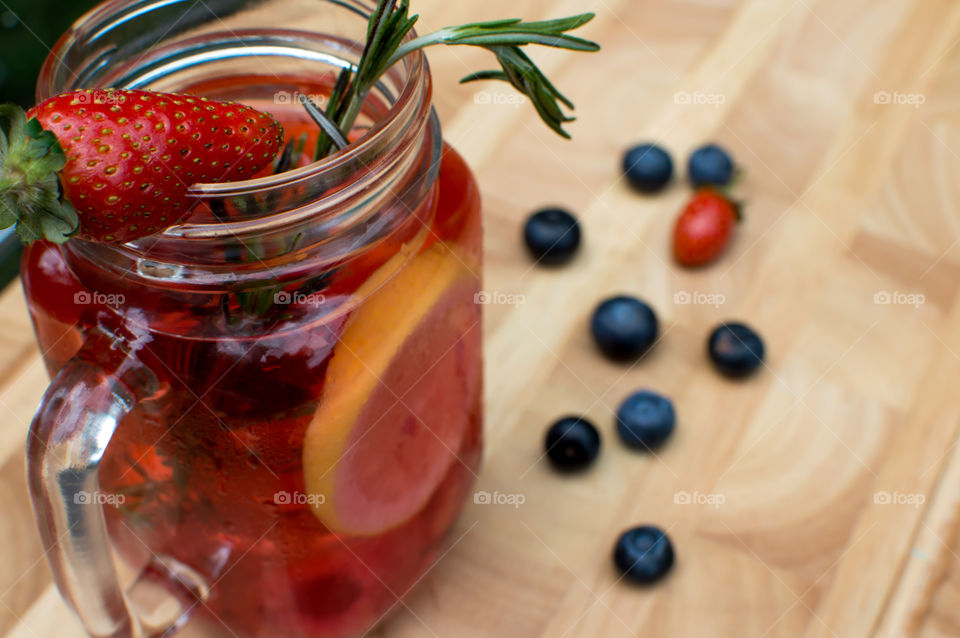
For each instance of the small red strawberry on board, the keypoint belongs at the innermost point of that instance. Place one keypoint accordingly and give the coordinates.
(705, 228)
(116, 165)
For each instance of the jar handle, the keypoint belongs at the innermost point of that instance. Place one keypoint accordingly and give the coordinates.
(78, 416)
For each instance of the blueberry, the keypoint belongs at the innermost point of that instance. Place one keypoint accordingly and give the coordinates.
(643, 554)
(572, 443)
(553, 236)
(710, 165)
(645, 420)
(736, 350)
(624, 328)
(648, 168)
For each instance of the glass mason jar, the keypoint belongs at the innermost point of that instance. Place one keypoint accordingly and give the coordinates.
(271, 414)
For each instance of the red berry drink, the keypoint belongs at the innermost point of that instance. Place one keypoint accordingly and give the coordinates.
(263, 314)
(305, 447)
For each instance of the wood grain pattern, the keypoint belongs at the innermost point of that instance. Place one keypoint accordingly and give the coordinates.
(848, 198)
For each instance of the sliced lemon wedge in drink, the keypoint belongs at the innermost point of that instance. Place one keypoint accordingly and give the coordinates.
(398, 395)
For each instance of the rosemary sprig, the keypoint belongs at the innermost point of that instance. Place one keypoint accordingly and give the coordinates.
(511, 32)
(389, 25)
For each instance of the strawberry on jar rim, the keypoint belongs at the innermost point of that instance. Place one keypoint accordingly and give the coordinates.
(114, 165)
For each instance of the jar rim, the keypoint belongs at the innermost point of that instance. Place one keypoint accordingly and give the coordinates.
(366, 170)
(414, 66)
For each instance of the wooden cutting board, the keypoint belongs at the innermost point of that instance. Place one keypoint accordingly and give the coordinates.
(846, 116)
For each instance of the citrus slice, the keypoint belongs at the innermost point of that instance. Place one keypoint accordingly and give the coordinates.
(399, 390)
